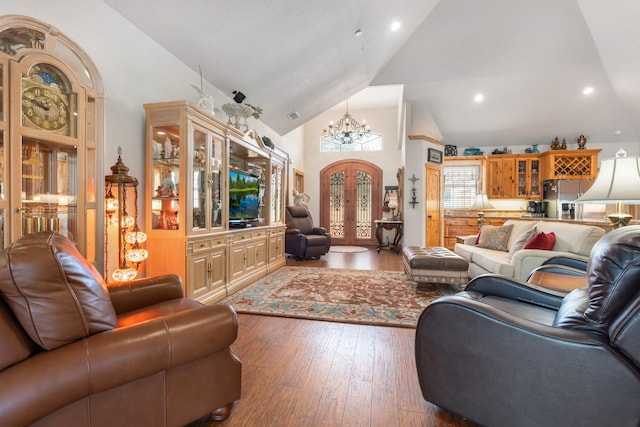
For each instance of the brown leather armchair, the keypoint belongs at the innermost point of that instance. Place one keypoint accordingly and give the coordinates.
(302, 239)
(74, 352)
(502, 353)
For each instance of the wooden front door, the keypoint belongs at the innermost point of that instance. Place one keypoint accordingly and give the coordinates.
(351, 199)
(433, 205)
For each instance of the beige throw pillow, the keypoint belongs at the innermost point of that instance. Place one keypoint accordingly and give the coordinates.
(522, 240)
(495, 237)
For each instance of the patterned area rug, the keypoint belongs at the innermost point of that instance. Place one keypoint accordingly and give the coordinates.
(352, 296)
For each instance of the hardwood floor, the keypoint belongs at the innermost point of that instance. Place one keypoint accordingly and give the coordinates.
(311, 373)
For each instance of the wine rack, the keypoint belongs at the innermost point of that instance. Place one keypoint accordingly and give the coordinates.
(571, 164)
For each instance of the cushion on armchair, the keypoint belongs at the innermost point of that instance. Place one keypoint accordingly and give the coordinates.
(58, 299)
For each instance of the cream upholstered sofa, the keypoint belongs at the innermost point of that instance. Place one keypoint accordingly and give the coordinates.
(571, 240)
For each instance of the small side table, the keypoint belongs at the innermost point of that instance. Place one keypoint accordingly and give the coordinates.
(389, 224)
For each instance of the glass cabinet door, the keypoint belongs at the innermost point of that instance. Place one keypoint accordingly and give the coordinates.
(534, 174)
(199, 168)
(165, 204)
(276, 194)
(49, 188)
(216, 182)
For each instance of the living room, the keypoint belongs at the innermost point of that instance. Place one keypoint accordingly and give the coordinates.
(136, 69)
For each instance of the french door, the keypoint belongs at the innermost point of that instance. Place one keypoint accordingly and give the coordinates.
(351, 199)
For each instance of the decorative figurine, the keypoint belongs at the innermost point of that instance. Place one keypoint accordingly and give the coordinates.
(582, 142)
(555, 144)
(564, 144)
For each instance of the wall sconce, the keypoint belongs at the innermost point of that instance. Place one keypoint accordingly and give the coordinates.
(130, 238)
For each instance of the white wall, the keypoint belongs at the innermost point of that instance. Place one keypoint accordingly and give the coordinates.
(135, 70)
(381, 120)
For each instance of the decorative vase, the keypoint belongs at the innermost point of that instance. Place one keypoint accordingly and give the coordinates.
(535, 148)
(582, 142)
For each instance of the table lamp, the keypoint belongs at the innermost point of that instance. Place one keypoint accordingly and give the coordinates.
(618, 182)
(481, 203)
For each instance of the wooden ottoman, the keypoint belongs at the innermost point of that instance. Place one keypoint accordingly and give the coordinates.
(435, 265)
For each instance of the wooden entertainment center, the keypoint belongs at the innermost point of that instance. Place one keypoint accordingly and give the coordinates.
(215, 198)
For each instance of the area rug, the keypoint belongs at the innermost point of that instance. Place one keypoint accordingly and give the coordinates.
(352, 296)
(348, 249)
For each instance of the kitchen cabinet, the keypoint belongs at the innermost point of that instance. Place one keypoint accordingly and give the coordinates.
(501, 177)
(528, 177)
(570, 164)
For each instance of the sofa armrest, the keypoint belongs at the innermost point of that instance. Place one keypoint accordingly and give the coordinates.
(139, 293)
(526, 260)
(579, 264)
(53, 379)
(506, 287)
(319, 230)
(291, 230)
(470, 240)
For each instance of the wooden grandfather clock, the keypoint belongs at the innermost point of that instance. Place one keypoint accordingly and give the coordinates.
(50, 137)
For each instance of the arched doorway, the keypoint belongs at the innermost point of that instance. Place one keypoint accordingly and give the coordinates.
(351, 199)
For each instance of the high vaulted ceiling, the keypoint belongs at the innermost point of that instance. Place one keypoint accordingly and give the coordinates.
(531, 59)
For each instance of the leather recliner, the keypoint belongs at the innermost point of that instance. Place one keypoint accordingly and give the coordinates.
(302, 239)
(502, 353)
(74, 352)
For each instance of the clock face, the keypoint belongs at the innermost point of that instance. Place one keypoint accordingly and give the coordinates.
(45, 109)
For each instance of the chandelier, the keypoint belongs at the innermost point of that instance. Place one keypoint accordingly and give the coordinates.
(347, 130)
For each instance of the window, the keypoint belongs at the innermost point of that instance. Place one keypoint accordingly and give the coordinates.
(460, 186)
(371, 143)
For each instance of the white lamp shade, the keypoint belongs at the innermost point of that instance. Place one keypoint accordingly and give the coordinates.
(482, 202)
(618, 180)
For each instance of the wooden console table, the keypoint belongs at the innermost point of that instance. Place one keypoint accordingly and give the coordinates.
(388, 224)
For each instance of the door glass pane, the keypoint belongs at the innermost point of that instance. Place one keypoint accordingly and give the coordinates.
(199, 179)
(216, 183)
(49, 188)
(363, 214)
(336, 205)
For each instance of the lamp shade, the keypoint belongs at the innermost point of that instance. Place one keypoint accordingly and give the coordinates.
(482, 202)
(618, 180)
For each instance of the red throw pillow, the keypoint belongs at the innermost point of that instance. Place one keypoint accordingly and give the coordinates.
(544, 241)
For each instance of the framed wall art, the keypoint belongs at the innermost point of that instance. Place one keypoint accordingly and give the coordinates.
(434, 156)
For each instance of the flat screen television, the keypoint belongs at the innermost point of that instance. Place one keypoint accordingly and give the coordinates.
(244, 204)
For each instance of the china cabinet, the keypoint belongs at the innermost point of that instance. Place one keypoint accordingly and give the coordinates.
(50, 143)
(215, 201)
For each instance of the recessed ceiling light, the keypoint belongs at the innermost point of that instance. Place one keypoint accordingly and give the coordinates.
(588, 90)
(358, 33)
(479, 97)
(617, 132)
(395, 26)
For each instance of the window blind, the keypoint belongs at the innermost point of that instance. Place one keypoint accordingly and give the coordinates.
(460, 186)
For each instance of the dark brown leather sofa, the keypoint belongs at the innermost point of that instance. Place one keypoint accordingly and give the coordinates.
(302, 239)
(76, 353)
(503, 353)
